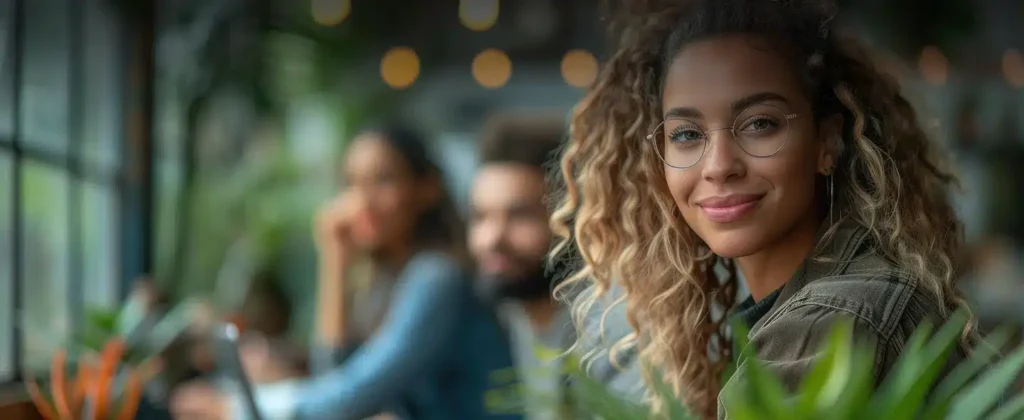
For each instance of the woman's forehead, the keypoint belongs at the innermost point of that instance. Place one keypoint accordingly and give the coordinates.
(713, 74)
(371, 153)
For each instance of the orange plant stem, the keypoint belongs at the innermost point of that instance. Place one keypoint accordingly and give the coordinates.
(132, 397)
(83, 380)
(109, 361)
(58, 385)
(44, 407)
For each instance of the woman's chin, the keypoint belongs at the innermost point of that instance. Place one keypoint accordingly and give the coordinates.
(733, 244)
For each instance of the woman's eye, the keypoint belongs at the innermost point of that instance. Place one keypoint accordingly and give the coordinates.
(686, 135)
(761, 124)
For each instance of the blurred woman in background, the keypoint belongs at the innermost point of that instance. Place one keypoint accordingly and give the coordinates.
(410, 339)
(391, 344)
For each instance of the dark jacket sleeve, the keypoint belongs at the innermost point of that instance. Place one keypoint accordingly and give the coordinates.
(421, 324)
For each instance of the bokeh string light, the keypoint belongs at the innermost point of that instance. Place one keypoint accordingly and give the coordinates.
(492, 68)
(1013, 68)
(400, 67)
(330, 12)
(579, 68)
(933, 65)
(479, 15)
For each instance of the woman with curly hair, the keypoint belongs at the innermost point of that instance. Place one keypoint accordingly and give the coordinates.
(728, 136)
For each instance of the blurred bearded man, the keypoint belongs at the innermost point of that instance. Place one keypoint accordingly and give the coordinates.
(509, 238)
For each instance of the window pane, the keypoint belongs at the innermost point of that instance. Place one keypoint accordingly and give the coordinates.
(168, 188)
(99, 248)
(6, 70)
(44, 113)
(44, 254)
(168, 174)
(101, 90)
(6, 285)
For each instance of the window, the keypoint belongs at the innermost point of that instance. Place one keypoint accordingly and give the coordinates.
(6, 270)
(62, 72)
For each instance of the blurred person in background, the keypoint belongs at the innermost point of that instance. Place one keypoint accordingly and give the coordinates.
(509, 239)
(413, 341)
(753, 135)
(996, 253)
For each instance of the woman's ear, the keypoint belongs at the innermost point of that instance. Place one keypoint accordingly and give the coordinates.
(830, 131)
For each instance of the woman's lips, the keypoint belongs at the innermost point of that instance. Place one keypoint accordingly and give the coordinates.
(729, 209)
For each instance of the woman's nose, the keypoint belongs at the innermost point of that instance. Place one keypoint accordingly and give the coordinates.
(723, 159)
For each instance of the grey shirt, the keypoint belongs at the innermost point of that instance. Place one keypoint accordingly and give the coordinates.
(623, 376)
(538, 361)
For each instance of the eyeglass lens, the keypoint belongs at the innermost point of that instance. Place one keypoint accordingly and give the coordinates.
(761, 131)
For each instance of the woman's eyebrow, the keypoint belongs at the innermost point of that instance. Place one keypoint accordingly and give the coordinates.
(745, 102)
(682, 112)
(737, 106)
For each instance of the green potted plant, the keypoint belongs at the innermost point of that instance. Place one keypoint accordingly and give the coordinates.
(840, 386)
(145, 329)
(115, 355)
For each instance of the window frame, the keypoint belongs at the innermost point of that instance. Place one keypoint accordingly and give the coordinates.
(131, 179)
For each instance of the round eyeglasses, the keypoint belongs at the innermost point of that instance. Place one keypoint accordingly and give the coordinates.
(760, 130)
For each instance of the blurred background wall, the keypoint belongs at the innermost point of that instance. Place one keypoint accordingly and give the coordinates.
(193, 139)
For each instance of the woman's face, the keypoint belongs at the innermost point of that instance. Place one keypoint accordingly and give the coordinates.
(737, 203)
(387, 195)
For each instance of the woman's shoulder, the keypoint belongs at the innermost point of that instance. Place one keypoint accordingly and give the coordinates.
(884, 308)
(434, 271)
(872, 290)
(436, 264)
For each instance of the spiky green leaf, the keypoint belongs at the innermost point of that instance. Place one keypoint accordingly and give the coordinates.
(959, 377)
(979, 397)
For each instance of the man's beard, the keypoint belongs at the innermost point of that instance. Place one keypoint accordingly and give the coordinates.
(535, 285)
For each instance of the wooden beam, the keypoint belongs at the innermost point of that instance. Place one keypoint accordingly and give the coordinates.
(19, 410)
(137, 211)
(15, 404)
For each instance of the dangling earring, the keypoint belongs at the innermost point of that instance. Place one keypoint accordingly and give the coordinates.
(831, 198)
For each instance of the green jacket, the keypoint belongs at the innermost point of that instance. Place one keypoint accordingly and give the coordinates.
(847, 279)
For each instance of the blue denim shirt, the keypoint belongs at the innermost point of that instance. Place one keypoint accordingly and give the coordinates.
(435, 356)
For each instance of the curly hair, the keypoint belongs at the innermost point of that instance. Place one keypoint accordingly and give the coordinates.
(617, 218)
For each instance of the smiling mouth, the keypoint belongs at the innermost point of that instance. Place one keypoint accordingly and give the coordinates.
(729, 209)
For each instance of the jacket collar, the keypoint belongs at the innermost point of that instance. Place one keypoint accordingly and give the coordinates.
(831, 256)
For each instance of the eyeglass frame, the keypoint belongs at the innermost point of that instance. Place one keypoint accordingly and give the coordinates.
(707, 137)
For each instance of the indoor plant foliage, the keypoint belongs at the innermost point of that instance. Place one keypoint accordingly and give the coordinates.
(101, 389)
(114, 357)
(141, 325)
(840, 385)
